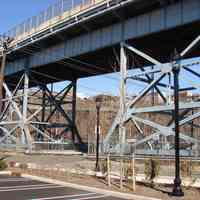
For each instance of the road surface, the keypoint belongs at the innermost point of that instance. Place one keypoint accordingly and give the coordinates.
(19, 188)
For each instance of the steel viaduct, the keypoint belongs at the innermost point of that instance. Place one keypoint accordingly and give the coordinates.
(77, 39)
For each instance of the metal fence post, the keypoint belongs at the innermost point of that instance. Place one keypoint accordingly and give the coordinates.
(108, 170)
(133, 172)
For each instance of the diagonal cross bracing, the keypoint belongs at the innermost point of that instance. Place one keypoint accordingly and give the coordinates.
(22, 122)
(139, 114)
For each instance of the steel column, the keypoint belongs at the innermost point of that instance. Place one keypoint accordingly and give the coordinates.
(26, 130)
(74, 84)
(123, 71)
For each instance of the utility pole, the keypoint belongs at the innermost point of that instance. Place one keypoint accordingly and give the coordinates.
(3, 63)
(4, 43)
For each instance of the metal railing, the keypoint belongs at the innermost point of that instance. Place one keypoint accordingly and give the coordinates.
(130, 148)
(52, 146)
(61, 11)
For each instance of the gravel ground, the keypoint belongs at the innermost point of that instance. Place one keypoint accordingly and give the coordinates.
(69, 162)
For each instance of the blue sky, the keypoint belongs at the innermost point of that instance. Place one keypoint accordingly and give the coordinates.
(14, 12)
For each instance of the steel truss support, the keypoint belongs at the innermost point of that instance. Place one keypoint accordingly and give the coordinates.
(123, 70)
(38, 115)
(159, 79)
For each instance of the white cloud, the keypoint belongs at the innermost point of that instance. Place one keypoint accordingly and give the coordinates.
(82, 95)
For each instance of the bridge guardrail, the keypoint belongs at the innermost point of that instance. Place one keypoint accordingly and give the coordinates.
(53, 15)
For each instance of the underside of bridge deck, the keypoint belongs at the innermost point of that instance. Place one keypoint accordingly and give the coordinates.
(106, 60)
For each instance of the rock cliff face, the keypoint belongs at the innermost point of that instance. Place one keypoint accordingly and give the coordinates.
(86, 116)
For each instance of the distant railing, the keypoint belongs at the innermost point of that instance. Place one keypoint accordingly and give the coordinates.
(53, 15)
(52, 146)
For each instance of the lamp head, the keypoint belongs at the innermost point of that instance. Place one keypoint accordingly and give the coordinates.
(98, 102)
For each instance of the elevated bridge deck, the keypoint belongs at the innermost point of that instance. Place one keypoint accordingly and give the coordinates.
(84, 42)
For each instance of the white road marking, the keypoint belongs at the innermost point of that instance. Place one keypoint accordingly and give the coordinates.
(94, 197)
(25, 186)
(32, 188)
(14, 180)
(66, 196)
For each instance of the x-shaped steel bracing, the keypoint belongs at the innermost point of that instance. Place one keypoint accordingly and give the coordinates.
(131, 111)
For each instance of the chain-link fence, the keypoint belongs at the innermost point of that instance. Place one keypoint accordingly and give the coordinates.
(104, 149)
(92, 148)
(142, 151)
(157, 170)
(52, 146)
(39, 147)
(13, 147)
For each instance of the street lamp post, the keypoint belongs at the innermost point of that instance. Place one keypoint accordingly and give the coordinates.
(98, 106)
(177, 191)
(3, 62)
(4, 42)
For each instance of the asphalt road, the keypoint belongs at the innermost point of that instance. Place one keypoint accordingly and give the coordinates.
(18, 188)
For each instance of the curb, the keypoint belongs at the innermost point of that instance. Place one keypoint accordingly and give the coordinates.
(5, 173)
(91, 189)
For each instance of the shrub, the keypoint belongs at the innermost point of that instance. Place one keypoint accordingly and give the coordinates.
(103, 166)
(3, 165)
(152, 168)
(185, 168)
(23, 166)
(12, 164)
(128, 169)
(16, 174)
